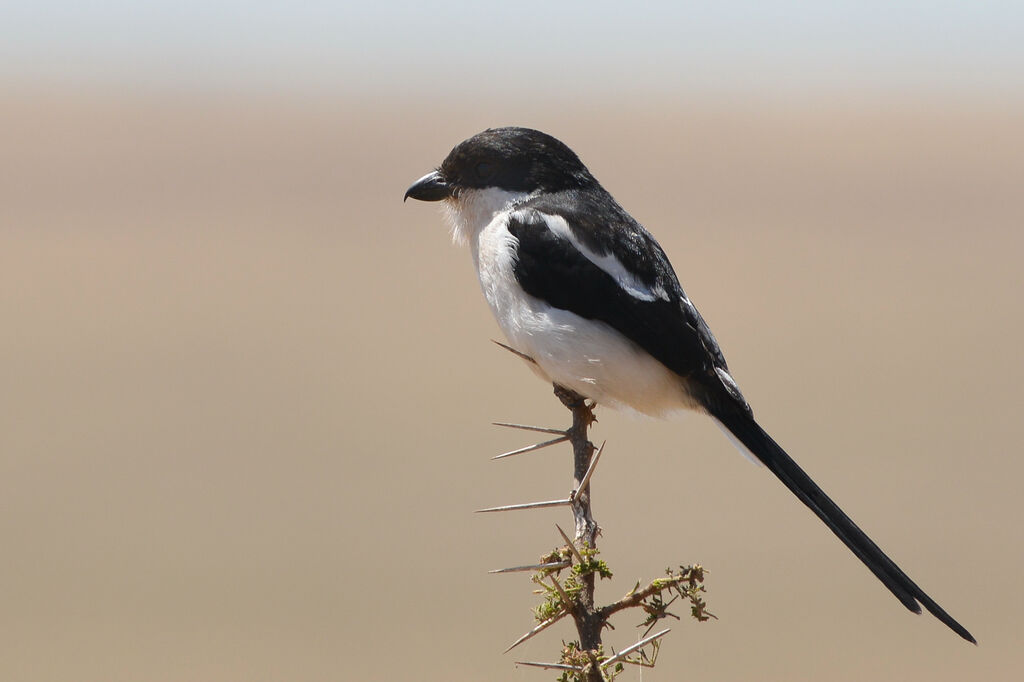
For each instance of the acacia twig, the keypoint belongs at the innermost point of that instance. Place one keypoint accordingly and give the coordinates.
(636, 597)
(589, 621)
(585, 661)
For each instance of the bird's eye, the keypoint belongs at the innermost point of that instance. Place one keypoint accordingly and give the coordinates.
(484, 170)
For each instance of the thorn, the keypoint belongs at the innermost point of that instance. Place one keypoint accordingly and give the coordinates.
(572, 547)
(528, 505)
(512, 350)
(561, 592)
(531, 448)
(534, 567)
(590, 472)
(543, 626)
(551, 666)
(539, 429)
(630, 649)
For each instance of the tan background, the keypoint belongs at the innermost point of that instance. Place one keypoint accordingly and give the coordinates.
(245, 391)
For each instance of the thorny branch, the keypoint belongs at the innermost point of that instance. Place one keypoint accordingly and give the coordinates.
(585, 660)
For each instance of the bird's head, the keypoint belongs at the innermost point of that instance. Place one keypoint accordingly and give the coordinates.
(518, 161)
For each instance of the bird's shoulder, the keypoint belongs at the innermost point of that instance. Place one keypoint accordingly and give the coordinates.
(581, 251)
(597, 225)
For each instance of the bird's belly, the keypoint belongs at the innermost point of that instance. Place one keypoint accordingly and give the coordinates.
(584, 355)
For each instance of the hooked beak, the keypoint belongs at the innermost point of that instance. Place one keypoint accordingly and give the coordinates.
(431, 187)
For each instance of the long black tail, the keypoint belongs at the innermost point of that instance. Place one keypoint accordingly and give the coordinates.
(775, 458)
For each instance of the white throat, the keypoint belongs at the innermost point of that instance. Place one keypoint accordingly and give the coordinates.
(474, 209)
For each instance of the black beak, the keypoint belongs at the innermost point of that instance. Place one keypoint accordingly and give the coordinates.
(431, 187)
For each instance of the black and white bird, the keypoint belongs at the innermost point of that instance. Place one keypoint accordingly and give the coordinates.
(584, 290)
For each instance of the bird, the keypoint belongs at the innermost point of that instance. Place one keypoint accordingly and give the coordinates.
(585, 292)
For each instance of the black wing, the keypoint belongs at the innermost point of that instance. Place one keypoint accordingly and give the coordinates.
(551, 268)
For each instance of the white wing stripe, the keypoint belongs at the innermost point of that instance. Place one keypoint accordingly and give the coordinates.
(608, 263)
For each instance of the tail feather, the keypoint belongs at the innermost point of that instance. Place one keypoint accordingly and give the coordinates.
(751, 435)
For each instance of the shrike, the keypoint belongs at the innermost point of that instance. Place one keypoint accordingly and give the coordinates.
(584, 290)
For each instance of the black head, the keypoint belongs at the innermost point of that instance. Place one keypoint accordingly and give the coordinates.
(512, 159)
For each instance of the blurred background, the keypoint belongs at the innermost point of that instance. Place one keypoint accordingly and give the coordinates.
(245, 392)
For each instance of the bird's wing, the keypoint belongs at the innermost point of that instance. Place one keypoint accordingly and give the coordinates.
(614, 273)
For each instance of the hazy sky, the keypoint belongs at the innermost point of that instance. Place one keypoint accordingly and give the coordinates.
(452, 44)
